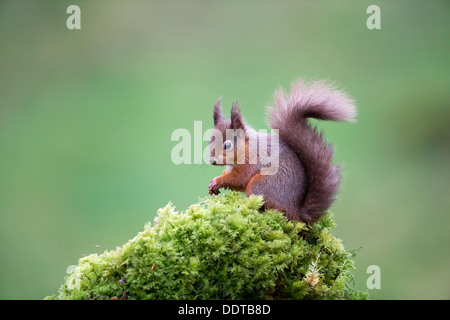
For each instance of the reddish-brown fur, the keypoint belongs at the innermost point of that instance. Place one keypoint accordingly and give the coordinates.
(306, 182)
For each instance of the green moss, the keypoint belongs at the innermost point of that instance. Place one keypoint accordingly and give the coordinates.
(220, 248)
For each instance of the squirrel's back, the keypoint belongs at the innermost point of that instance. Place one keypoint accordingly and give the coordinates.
(318, 100)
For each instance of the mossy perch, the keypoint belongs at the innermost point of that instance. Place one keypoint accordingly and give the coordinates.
(221, 248)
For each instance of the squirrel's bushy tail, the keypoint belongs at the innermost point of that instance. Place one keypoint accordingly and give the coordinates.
(317, 100)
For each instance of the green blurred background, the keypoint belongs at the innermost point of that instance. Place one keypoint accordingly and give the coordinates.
(86, 118)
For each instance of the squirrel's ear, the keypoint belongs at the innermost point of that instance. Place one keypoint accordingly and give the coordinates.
(236, 119)
(218, 117)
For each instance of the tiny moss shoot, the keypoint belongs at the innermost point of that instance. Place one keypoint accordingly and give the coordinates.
(224, 247)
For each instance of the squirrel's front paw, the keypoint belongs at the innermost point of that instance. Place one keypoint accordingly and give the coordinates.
(214, 187)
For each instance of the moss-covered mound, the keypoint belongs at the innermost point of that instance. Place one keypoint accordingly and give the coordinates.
(220, 248)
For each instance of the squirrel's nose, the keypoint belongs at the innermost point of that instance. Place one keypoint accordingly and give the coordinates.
(213, 162)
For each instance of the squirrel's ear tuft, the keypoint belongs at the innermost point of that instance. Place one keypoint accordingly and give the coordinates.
(236, 119)
(218, 117)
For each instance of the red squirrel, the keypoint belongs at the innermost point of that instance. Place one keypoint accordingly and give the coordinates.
(305, 182)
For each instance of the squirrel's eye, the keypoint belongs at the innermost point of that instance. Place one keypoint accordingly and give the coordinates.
(227, 145)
